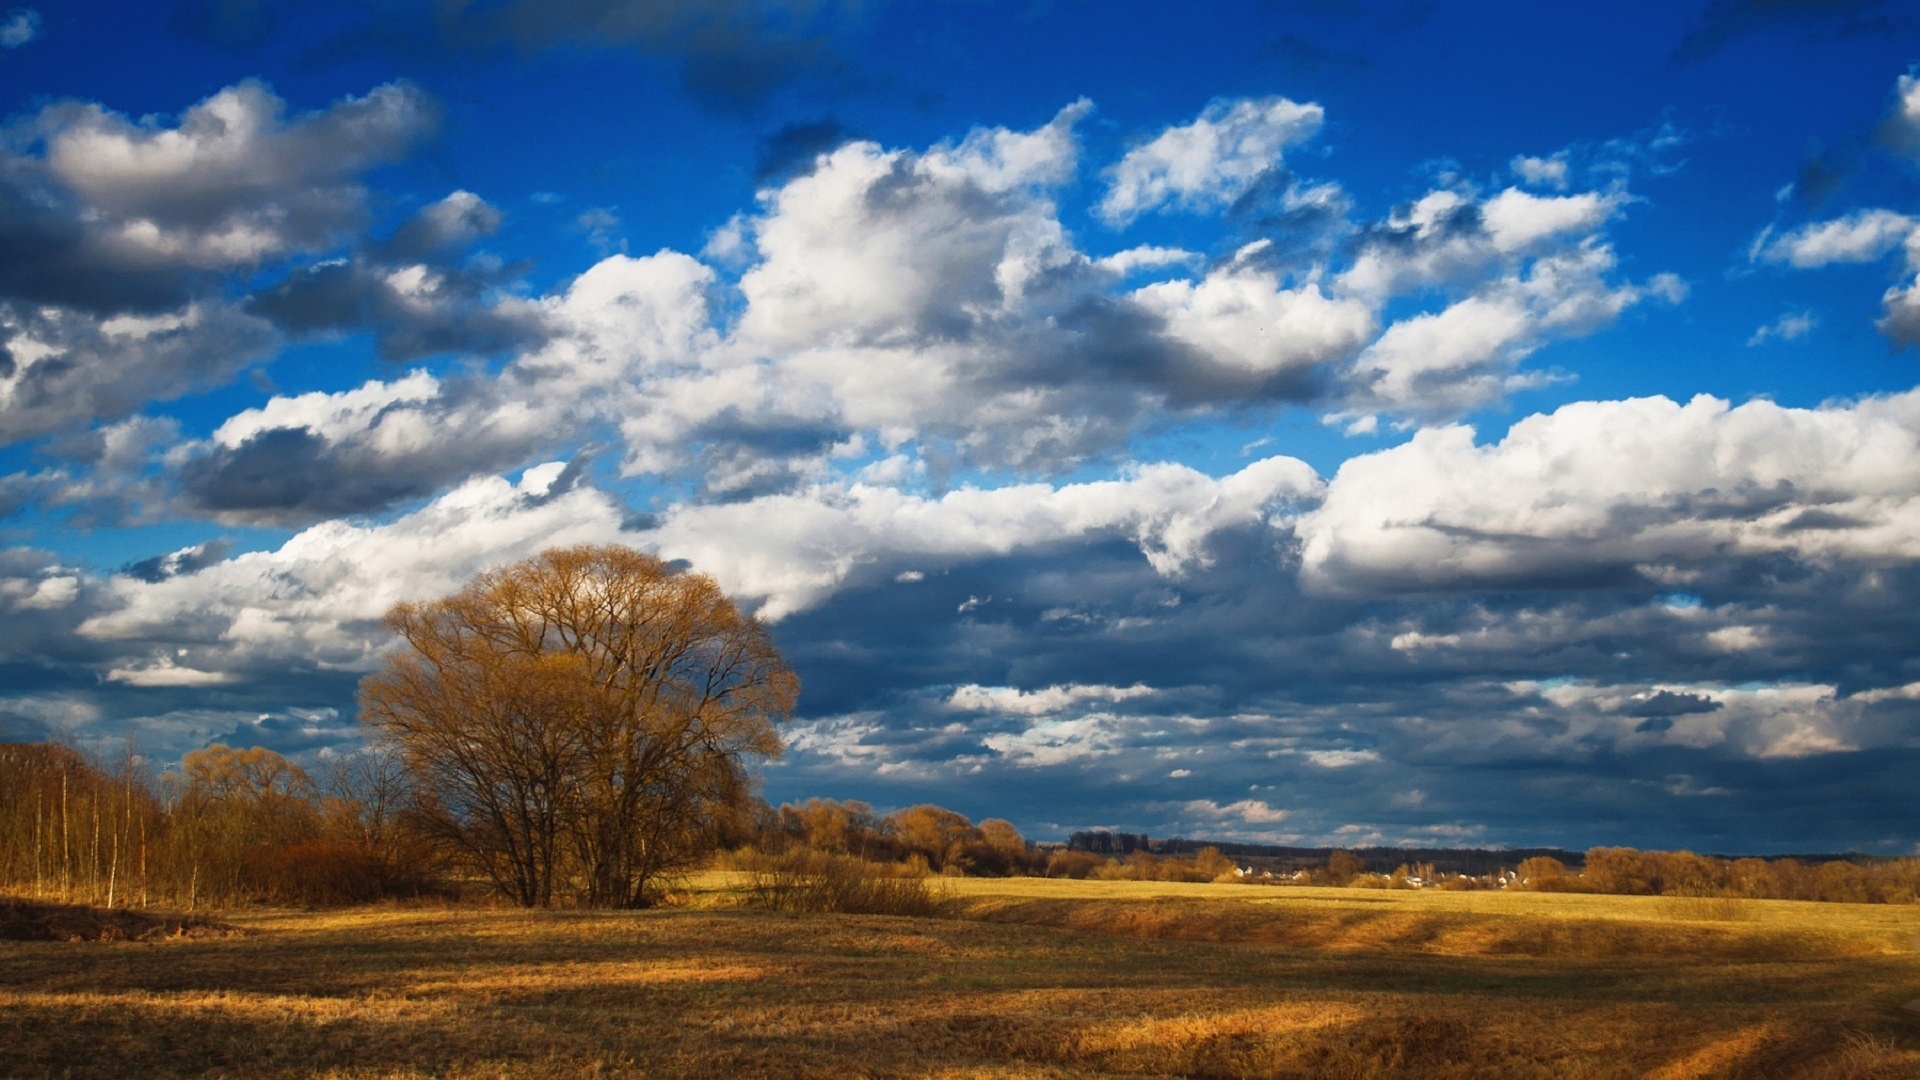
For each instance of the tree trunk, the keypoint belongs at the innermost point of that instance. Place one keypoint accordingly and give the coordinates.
(38, 812)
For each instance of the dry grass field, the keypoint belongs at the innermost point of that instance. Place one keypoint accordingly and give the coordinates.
(1027, 978)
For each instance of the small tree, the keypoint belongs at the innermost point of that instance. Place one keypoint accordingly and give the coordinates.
(1541, 868)
(1068, 863)
(1343, 866)
(1001, 848)
(1210, 865)
(933, 832)
(366, 793)
(582, 718)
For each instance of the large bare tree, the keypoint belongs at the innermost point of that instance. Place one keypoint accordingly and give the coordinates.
(580, 720)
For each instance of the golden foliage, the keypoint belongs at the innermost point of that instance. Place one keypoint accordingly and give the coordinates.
(580, 720)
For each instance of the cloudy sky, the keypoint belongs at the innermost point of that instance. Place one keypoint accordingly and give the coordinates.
(1375, 421)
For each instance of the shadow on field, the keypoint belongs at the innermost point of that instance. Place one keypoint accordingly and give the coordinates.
(466, 994)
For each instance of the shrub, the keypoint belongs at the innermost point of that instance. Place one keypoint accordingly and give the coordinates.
(1567, 884)
(1343, 866)
(322, 873)
(1068, 863)
(1535, 872)
(814, 881)
(1209, 864)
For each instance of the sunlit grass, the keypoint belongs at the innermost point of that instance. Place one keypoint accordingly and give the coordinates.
(1067, 979)
(1839, 928)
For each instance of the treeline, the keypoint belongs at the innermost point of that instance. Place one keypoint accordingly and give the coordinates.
(1853, 879)
(1473, 862)
(1102, 842)
(235, 826)
(941, 841)
(932, 838)
(230, 827)
(1629, 872)
(245, 826)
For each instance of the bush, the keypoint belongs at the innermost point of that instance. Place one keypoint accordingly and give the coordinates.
(322, 873)
(336, 873)
(1560, 885)
(1210, 865)
(815, 881)
(1067, 863)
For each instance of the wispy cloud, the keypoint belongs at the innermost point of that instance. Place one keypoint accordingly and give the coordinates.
(19, 26)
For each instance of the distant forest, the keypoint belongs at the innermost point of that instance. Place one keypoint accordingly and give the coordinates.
(1473, 862)
(1470, 861)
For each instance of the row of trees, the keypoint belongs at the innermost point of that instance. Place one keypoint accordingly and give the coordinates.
(939, 839)
(946, 842)
(69, 828)
(236, 826)
(231, 826)
(1630, 872)
(1103, 842)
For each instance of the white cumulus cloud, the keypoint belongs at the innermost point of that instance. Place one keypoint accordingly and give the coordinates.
(832, 534)
(1011, 701)
(1707, 480)
(1208, 163)
(1862, 236)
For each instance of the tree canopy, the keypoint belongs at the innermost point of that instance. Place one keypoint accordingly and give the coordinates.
(580, 721)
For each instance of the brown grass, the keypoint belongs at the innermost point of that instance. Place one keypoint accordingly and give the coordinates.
(1403, 930)
(1133, 985)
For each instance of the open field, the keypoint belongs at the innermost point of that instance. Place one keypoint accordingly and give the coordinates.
(1030, 979)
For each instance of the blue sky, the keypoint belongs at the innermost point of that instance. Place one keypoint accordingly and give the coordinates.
(1349, 423)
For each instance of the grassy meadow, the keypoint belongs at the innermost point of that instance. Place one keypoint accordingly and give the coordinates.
(1022, 978)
